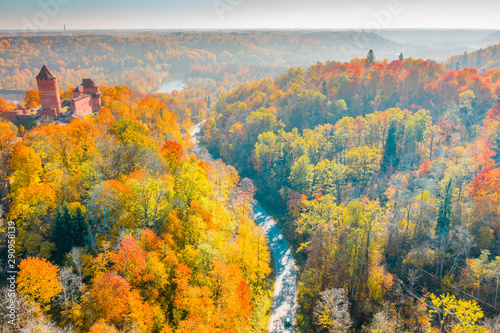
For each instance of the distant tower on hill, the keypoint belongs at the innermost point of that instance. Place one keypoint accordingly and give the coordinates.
(49, 93)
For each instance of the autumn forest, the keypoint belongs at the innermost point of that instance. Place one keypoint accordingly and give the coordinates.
(381, 171)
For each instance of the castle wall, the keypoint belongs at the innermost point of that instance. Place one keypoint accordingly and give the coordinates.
(52, 112)
(96, 102)
(11, 114)
(82, 106)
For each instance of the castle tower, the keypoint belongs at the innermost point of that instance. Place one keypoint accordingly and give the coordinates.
(92, 88)
(49, 93)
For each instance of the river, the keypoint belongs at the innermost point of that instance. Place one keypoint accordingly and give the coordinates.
(172, 82)
(285, 283)
(12, 97)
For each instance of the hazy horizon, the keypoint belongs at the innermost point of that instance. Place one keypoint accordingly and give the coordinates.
(61, 29)
(247, 15)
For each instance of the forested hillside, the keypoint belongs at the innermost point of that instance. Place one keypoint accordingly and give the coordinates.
(120, 228)
(215, 61)
(482, 59)
(220, 59)
(327, 93)
(386, 178)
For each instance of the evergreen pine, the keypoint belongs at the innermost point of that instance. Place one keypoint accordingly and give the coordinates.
(208, 101)
(69, 231)
(62, 232)
(390, 159)
(79, 228)
(465, 61)
(401, 58)
(443, 218)
(370, 58)
(324, 89)
(479, 59)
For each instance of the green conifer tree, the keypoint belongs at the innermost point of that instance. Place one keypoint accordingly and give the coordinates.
(443, 218)
(324, 89)
(61, 232)
(370, 58)
(390, 159)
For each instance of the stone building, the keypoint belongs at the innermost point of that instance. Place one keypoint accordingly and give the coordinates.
(86, 98)
(49, 94)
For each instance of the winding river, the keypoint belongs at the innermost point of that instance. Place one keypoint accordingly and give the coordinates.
(285, 284)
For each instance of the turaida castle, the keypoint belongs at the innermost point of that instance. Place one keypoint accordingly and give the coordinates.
(86, 98)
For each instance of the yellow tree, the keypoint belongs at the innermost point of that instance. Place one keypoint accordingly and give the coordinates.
(346, 248)
(33, 203)
(479, 267)
(38, 282)
(254, 255)
(330, 178)
(321, 211)
(224, 177)
(26, 167)
(464, 315)
(32, 208)
(192, 183)
(7, 139)
(150, 198)
(362, 162)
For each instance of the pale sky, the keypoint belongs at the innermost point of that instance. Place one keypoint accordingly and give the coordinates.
(248, 14)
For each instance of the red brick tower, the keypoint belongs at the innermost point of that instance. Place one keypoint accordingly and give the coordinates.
(49, 93)
(92, 88)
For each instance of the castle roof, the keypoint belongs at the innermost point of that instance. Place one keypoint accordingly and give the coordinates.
(45, 73)
(89, 83)
(85, 96)
(78, 89)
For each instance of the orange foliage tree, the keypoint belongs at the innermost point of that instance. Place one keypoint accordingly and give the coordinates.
(32, 99)
(130, 260)
(485, 189)
(110, 295)
(37, 282)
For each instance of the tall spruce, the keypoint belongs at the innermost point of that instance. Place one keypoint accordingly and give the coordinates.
(79, 231)
(370, 58)
(324, 89)
(69, 231)
(61, 232)
(443, 218)
(465, 60)
(390, 159)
